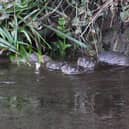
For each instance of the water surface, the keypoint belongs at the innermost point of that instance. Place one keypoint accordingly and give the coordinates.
(51, 100)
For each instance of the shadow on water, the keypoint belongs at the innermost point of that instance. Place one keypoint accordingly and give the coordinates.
(51, 100)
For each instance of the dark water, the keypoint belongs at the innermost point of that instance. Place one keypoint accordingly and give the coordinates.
(51, 100)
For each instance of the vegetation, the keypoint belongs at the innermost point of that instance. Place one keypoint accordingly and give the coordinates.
(59, 27)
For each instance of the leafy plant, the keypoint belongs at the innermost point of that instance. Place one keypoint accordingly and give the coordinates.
(18, 30)
(62, 43)
(9, 41)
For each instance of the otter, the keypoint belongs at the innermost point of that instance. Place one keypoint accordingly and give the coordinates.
(109, 58)
(72, 69)
(33, 58)
(66, 68)
(86, 62)
(113, 58)
(51, 64)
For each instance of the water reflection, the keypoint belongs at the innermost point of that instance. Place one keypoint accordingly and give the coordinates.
(51, 100)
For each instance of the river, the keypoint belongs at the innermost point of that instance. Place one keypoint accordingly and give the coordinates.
(52, 100)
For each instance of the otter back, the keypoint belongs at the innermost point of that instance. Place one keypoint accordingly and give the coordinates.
(113, 58)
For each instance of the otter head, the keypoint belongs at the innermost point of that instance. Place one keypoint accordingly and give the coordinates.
(46, 59)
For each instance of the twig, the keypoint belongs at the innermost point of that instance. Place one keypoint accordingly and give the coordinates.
(96, 15)
(48, 14)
